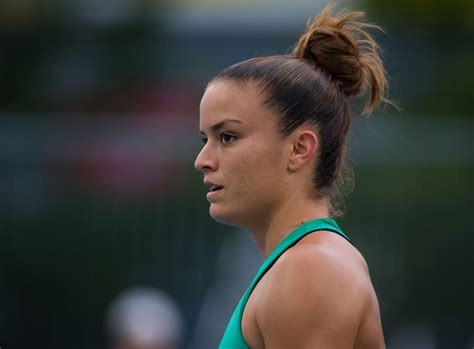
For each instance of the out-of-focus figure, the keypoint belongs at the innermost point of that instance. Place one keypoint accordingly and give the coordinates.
(144, 318)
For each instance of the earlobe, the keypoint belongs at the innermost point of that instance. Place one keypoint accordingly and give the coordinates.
(304, 147)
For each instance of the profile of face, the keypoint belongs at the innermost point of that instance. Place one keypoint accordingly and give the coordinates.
(244, 154)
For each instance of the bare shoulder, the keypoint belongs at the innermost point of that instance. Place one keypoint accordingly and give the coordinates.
(322, 264)
(315, 295)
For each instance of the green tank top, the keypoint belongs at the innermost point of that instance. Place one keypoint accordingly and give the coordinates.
(233, 337)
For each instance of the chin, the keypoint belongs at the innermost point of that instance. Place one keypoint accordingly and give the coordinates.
(219, 215)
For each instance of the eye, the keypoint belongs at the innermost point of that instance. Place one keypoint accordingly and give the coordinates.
(227, 138)
(204, 140)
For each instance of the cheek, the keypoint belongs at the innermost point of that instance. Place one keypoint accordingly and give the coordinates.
(255, 176)
(259, 171)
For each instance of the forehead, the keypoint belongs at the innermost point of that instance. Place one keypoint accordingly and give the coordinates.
(225, 100)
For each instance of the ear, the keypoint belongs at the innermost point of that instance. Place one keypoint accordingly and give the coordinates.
(304, 146)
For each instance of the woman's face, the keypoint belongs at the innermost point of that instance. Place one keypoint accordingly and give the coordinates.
(244, 154)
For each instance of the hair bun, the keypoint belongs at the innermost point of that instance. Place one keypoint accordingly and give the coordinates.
(340, 45)
(338, 55)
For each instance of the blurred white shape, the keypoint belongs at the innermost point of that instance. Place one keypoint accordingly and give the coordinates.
(145, 316)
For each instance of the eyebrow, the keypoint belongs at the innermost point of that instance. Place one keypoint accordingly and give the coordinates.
(216, 127)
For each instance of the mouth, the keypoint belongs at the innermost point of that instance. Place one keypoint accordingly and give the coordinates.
(215, 188)
(212, 187)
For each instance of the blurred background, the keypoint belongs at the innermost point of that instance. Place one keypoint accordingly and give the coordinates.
(100, 206)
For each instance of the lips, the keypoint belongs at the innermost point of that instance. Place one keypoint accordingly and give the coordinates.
(215, 190)
(212, 186)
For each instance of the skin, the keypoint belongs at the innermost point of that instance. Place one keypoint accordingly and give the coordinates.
(318, 294)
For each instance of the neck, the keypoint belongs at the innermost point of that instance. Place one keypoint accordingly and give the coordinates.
(284, 220)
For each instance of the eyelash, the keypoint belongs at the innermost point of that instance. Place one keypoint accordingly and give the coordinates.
(221, 136)
(227, 135)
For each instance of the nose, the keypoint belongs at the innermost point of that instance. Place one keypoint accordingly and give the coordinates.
(205, 162)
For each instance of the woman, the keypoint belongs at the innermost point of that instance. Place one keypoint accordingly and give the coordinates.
(275, 133)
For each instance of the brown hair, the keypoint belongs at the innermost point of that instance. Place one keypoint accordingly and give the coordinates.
(336, 58)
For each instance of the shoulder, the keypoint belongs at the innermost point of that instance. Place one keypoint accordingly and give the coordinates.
(315, 295)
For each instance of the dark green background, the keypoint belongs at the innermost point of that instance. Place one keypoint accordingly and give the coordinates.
(66, 248)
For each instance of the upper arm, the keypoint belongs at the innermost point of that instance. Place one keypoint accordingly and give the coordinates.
(312, 299)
